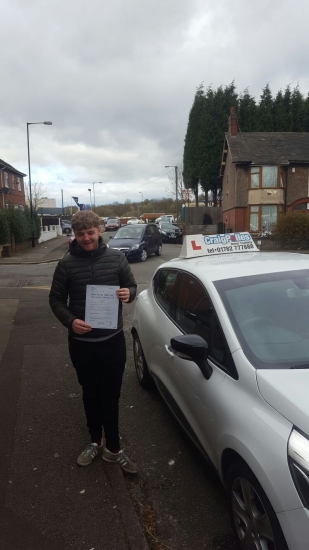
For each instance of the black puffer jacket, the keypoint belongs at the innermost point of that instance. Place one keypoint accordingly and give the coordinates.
(103, 266)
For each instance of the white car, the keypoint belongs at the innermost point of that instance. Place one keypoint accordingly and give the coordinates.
(223, 331)
(133, 221)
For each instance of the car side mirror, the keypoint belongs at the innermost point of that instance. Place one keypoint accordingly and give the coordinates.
(111, 236)
(193, 347)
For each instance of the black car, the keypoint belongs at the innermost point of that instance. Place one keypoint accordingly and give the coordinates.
(138, 241)
(170, 232)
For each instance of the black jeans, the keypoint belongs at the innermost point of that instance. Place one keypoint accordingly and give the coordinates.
(99, 367)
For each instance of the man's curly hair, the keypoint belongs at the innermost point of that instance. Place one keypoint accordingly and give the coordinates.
(85, 220)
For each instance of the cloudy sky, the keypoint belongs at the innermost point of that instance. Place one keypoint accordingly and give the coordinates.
(117, 79)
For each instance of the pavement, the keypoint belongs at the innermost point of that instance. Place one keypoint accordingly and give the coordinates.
(46, 252)
(47, 502)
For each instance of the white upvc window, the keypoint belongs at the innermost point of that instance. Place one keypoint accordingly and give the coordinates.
(6, 179)
(13, 182)
(20, 207)
(18, 184)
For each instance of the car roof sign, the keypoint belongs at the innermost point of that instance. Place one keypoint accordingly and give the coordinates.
(210, 245)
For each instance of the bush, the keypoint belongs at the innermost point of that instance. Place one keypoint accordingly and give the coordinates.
(20, 225)
(4, 228)
(292, 228)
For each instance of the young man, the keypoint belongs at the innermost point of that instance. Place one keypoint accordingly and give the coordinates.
(98, 356)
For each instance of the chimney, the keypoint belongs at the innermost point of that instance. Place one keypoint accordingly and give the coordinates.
(233, 125)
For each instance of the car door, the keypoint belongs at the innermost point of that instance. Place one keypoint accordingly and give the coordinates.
(198, 401)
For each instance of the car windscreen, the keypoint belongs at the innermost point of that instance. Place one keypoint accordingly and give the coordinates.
(270, 316)
(112, 220)
(169, 226)
(128, 232)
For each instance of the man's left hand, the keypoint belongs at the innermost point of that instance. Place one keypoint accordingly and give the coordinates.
(123, 294)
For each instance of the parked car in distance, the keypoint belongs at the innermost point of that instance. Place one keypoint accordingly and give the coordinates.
(165, 218)
(112, 224)
(134, 221)
(222, 331)
(138, 241)
(66, 226)
(170, 232)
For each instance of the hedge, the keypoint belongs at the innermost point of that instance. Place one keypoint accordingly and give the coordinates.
(17, 223)
(292, 228)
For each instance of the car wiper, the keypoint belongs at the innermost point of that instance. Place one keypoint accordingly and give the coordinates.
(304, 366)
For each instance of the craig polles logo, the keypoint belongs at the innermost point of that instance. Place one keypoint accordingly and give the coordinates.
(231, 238)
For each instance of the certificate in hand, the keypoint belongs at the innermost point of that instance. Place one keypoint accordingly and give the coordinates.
(102, 306)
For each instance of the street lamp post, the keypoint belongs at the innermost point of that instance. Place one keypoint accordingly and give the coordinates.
(90, 199)
(176, 186)
(142, 200)
(94, 194)
(48, 123)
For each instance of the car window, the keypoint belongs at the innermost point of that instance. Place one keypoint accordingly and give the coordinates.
(166, 290)
(195, 314)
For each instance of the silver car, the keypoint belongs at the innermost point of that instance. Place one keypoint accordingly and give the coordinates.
(223, 332)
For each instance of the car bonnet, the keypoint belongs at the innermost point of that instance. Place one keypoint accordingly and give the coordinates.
(287, 392)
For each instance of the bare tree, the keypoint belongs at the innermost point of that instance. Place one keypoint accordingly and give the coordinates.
(171, 187)
(38, 191)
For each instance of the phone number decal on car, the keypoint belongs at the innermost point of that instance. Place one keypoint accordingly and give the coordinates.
(232, 248)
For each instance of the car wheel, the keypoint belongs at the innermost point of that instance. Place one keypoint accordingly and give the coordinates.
(144, 255)
(254, 521)
(159, 251)
(67, 230)
(141, 368)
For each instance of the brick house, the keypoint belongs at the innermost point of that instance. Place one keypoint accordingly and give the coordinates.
(12, 190)
(263, 174)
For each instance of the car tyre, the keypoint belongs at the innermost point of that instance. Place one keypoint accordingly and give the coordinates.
(144, 255)
(141, 368)
(159, 251)
(254, 521)
(67, 230)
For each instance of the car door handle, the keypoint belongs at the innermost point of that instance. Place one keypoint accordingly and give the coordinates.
(167, 349)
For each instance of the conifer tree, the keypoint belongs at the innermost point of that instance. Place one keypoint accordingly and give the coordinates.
(265, 111)
(247, 113)
(298, 110)
(193, 144)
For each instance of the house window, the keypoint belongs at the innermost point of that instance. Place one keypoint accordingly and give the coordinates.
(6, 179)
(18, 184)
(264, 176)
(20, 207)
(255, 177)
(254, 218)
(13, 182)
(268, 216)
(264, 216)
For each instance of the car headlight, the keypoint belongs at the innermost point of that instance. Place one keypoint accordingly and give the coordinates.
(163, 232)
(134, 247)
(298, 453)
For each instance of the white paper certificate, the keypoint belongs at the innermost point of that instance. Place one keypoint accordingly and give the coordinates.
(102, 306)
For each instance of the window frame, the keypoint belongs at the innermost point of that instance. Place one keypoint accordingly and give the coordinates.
(259, 213)
(6, 180)
(18, 184)
(229, 369)
(259, 169)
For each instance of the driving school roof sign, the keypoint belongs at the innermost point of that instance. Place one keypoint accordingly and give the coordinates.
(209, 245)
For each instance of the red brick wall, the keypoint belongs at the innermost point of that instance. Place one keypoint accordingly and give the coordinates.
(235, 219)
(14, 196)
(296, 183)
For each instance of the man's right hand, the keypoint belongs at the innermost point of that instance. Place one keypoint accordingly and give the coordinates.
(80, 327)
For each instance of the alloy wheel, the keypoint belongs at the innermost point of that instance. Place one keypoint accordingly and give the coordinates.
(144, 255)
(252, 523)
